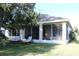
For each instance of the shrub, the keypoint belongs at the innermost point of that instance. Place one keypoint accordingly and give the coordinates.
(74, 35)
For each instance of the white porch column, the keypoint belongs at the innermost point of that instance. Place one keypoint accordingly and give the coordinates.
(51, 33)
(7, 33)
(22, 33)
(64, 33)
(40, 31)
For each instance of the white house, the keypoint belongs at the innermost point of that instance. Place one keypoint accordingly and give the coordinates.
(49, 30)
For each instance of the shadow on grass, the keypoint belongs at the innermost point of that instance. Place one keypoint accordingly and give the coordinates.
(19, 49)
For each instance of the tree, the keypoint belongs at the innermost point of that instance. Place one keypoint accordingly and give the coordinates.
(4, 19)
(5, 15)
(24, 15)
(17, 16)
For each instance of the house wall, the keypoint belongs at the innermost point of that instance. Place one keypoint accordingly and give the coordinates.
(47, 31)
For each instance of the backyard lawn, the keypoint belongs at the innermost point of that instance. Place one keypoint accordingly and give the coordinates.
(20, 49)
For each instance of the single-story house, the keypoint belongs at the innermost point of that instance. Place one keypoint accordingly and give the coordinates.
(50, 29)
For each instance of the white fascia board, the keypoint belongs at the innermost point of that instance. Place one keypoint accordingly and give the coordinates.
(56, 21)
(61, 20)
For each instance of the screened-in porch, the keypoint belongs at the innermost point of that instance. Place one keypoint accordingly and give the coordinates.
(53, 32)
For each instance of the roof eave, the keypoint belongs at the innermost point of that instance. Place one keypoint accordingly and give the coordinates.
(57, 20)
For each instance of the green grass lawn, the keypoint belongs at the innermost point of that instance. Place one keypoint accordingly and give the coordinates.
(20, 49)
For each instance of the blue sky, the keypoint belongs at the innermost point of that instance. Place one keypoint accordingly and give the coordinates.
(70, 11)
(58, 9)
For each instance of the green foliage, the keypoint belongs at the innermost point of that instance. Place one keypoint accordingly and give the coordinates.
(74, 35)
(17, 15)
(3, 39)
(5, 15)
(23, 15)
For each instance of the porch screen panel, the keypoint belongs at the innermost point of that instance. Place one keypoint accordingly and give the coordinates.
(57, 31)
(47, 31)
